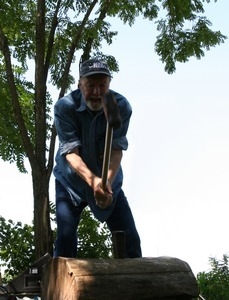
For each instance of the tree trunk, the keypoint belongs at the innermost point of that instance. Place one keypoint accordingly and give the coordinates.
(42, 229)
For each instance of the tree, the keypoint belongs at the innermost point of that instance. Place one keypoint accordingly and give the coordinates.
(15, 236)
(94, 242)
(214, 284)
(46, 35)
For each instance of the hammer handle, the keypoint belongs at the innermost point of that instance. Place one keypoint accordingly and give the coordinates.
(107, 154)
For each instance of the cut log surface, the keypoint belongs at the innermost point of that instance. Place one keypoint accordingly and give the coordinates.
(118, 279)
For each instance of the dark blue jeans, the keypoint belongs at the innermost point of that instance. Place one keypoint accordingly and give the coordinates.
(68, 217)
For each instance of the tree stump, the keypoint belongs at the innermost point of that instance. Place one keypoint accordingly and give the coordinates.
(118, 279)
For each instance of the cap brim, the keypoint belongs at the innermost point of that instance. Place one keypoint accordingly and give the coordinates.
(96, 73)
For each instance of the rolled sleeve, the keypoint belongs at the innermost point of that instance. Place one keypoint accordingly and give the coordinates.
(66, 125)
(120, 143)
(68, 147)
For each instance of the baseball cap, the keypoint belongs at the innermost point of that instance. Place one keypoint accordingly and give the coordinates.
(94, 66)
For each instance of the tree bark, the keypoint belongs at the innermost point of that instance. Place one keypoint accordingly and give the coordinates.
(111, 279)
(42, 230)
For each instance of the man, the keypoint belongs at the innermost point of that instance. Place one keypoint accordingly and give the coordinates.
(81, 127)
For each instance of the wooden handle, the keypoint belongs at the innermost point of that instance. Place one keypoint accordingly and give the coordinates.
(107, 155)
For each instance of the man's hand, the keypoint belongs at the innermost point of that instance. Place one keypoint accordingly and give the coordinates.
(103, 198)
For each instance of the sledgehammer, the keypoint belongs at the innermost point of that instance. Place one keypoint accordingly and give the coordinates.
(114, 121)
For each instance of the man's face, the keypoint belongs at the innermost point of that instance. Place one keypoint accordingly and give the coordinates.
(94, 89)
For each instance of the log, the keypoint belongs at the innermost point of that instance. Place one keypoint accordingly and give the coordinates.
(118, 279)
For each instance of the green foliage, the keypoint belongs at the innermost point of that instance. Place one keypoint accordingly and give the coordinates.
(214, 284)
(94, 239)
(17, 251)
(127, 10)
(18, 22)
(11, 146)
(184, 33)
(16, 247)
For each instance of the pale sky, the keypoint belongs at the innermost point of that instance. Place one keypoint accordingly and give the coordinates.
(177, 165)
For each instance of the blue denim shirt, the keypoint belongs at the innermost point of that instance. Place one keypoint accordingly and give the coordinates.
(77, 126)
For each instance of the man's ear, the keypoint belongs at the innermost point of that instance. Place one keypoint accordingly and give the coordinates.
(79, 84)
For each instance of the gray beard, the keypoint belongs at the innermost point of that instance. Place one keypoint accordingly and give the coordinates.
(88, 103)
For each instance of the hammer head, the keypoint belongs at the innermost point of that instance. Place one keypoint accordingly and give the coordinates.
(112, 112)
